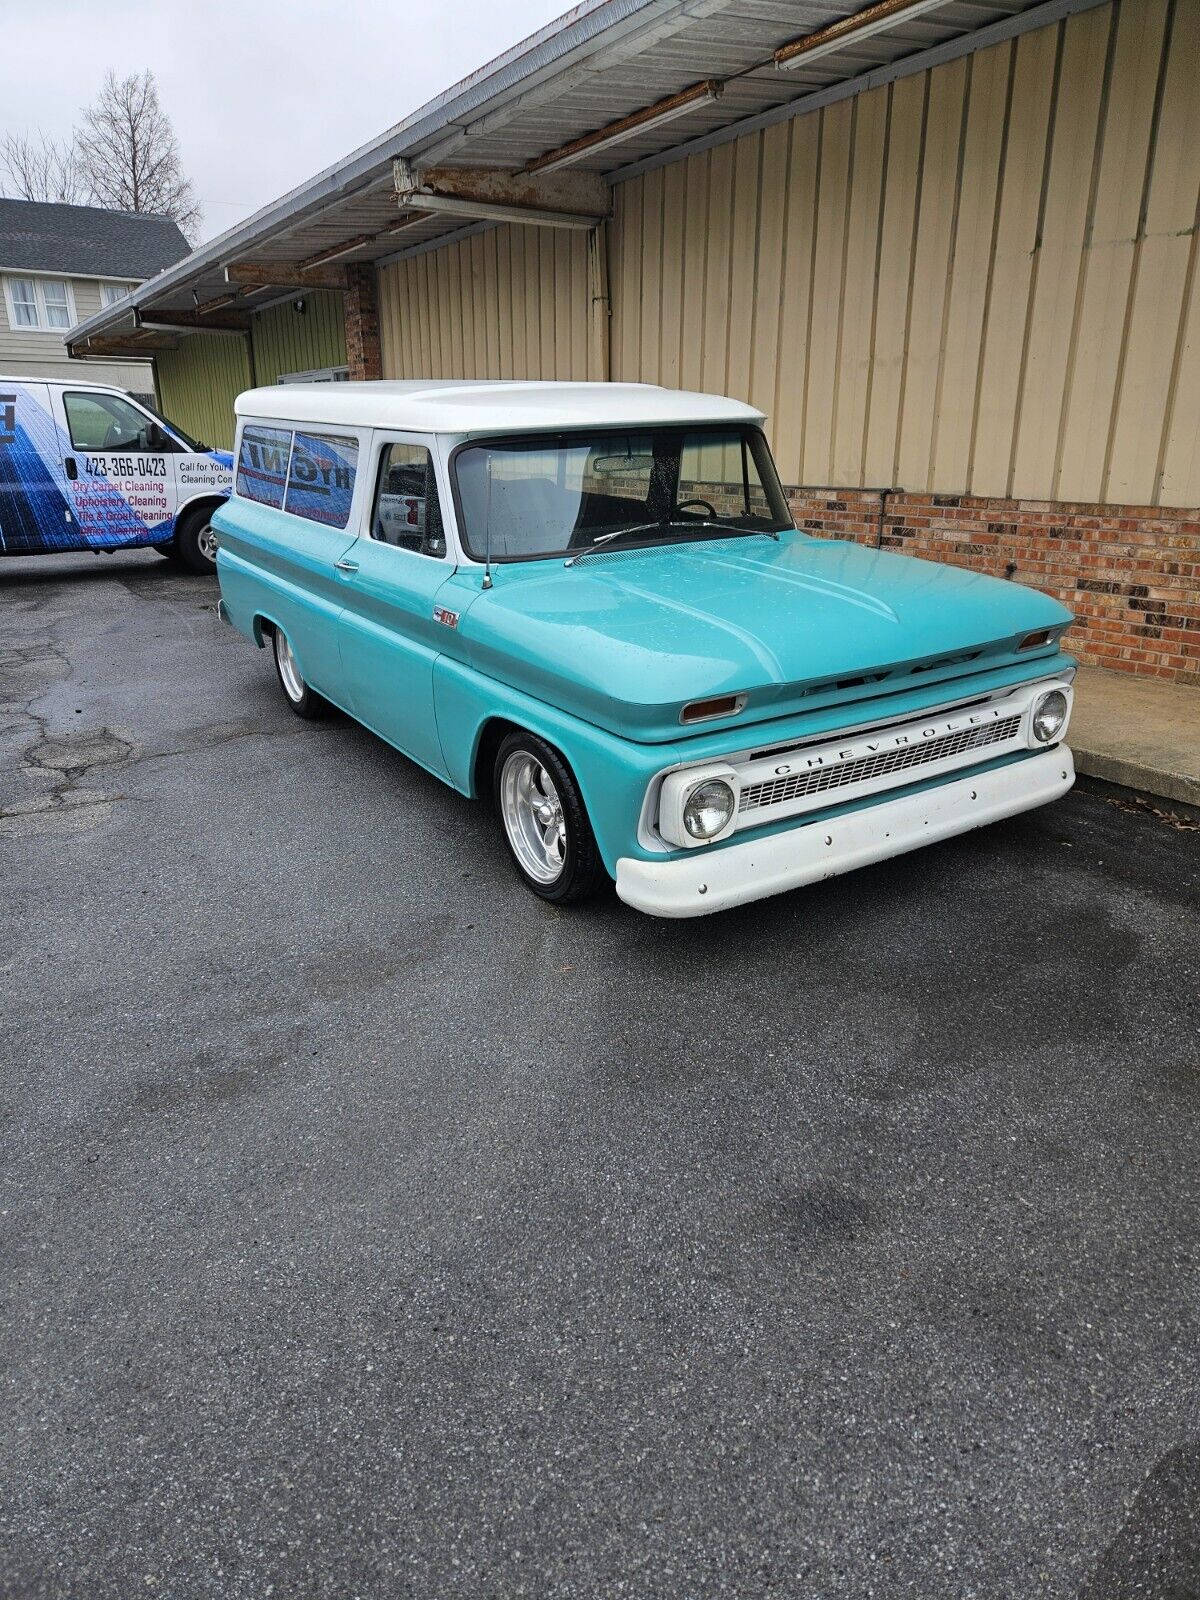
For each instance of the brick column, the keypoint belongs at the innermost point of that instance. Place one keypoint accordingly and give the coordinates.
(360, 308)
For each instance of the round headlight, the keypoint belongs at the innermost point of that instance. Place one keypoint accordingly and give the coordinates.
(1049, 715)
(708, 808)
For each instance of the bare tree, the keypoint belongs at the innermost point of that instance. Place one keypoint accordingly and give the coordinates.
(128, 154)
(41, 169)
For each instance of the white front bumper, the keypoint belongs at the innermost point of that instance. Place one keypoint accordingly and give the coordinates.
(730, 875)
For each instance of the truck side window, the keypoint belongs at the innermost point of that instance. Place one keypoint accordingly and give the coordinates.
(407, 510)
(263, 464)
(320, 485)
(100, 422)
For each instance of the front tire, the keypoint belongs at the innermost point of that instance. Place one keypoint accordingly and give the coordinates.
(305, 702)
(195, 544)
(545, 822)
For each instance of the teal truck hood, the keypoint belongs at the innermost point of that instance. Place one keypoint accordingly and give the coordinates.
(625, 638)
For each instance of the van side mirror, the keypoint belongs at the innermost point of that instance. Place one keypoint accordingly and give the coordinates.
(157, 437)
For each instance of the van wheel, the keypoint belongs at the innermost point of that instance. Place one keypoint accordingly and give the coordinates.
(168, 549)
(305, 702)
(195, 544)
(545, 822)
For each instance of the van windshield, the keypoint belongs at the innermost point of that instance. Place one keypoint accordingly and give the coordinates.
(185, 439)
(563, 494)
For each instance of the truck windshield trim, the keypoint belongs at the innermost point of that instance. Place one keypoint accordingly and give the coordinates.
(537, 497)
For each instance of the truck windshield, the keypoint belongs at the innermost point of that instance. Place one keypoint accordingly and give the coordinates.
(562, 494)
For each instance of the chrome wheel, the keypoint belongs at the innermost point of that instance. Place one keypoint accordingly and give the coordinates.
(289, 672)
(533, 817)
(206, 543)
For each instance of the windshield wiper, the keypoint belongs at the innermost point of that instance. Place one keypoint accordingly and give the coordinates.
(674, 522)
(616, 533)
(726, 527)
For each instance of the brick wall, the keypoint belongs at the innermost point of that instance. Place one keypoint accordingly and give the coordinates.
(360, 307)
(1131, 574)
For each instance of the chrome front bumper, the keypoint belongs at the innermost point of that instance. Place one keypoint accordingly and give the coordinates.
(731, 875)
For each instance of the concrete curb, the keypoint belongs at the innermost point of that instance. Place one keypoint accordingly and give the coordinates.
(1130, 773)
(1140, 733)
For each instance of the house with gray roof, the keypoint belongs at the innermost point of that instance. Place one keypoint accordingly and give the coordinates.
(60, 264)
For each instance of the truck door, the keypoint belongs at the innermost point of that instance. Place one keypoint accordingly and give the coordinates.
(120, 470)
(34, 513)
(391, 630)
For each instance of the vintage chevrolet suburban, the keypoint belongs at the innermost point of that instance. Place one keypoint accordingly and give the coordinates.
(589, 602)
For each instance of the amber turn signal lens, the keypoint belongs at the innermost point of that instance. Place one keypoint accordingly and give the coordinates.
(724, 705)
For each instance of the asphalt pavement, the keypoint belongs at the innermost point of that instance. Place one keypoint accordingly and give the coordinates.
(371, 1229)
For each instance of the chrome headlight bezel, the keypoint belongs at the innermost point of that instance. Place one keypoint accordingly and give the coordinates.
(715, 797)
(677, 790)
(1055, 691)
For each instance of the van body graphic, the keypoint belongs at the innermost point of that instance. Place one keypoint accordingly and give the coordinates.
(85, 467)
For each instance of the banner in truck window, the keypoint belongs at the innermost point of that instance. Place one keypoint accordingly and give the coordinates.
(263, 465)
(320, 482)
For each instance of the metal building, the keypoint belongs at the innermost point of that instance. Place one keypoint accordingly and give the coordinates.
(948, 245)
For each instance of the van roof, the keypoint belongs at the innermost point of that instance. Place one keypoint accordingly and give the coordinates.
(482, 406)
(61, 383)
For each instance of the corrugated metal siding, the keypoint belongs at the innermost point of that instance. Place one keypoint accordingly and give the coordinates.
(198, 383)
(981, 279)
(286, 340)
(510, 303)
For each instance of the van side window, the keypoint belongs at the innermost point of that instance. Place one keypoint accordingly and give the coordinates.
(263, 464)
(407, 510)
(99, 422)
(320, 483)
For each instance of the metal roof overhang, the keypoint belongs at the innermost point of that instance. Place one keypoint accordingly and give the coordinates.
(601, 63)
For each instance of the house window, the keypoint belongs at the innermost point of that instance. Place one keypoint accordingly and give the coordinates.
(23, 311)
(110, 293)
(39, 303)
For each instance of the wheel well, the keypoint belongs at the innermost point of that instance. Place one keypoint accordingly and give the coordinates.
(197, 507)
(263, 629)
(494, 733)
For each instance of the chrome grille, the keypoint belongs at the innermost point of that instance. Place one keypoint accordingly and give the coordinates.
(795, 785)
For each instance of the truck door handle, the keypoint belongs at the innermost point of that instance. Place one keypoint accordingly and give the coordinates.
(72, 470)
(346, 566)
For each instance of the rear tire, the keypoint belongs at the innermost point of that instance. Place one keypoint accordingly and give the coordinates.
(168, 549)
(194, 544)
(545, 822)
(305, 702)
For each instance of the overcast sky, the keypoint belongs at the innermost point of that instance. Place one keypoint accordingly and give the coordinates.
(262, 95)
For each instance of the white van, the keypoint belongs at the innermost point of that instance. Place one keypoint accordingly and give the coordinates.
(86, 467)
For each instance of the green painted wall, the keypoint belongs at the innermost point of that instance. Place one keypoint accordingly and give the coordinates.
(198, 383)
(286, 340)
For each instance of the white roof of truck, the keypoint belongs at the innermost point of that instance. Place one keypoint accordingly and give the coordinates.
(459, 406)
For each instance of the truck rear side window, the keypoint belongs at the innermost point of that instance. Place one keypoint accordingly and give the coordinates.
(320, 485)
(263, 465)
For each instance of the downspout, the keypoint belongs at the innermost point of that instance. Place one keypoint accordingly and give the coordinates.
(250, 362)
(599, 307)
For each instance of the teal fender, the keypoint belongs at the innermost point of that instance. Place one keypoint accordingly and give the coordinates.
(612, 773)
